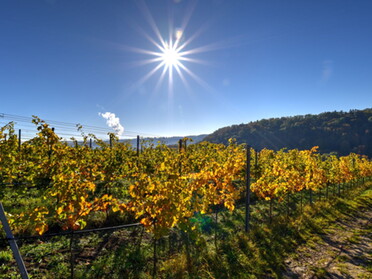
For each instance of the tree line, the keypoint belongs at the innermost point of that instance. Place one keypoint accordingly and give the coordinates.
(334, 132)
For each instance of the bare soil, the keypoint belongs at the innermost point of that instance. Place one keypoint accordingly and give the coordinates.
(343, 251)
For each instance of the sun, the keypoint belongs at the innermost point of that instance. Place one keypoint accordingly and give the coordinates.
(169, 58)
(170, 55)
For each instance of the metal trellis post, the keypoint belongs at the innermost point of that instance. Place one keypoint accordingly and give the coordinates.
(248, 188)
(13, 243)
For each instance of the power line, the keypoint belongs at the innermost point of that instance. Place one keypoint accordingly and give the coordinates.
(62, 126)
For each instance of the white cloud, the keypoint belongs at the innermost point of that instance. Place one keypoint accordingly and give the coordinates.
(113, 122)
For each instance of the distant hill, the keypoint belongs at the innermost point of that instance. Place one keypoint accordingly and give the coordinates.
(340, 132)
(169, 140)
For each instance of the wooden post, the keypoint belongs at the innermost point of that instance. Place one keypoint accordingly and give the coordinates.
(180, 145)
(256, 164)
(138, 150)
(248, 188)
(13, 243)
(19, 140)
(180, 142)
(50, 148)
(138, 145)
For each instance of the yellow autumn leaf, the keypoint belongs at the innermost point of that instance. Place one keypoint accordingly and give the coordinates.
(59, 210)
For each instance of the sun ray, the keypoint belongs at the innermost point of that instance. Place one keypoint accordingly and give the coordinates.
(202, 29)
(151, 73)
(151, 39)
(188, 14)
(183, 79)
(146, 61)
(170, 79)
(161, 79)
(193, 60)
(150, 20)
(140, 50)
(196, 78)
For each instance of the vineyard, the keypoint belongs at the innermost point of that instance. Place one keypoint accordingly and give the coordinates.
(68, 187)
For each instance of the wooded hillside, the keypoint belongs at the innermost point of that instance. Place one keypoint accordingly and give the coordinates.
(341, 132)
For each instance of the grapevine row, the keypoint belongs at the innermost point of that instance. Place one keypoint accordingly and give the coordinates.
(162, 187)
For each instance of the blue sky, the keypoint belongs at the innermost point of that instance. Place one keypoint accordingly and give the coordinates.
(71, 60)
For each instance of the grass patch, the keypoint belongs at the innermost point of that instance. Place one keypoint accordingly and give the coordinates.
(343, 269)
(319, 272)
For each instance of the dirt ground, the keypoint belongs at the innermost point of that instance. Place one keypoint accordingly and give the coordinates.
(344, 251)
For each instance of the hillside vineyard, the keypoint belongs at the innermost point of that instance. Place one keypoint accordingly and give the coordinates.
(161, 187)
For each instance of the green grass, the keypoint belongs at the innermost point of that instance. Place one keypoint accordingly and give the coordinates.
(319, 272)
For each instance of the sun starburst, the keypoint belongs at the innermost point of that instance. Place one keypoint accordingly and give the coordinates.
(170, 56)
